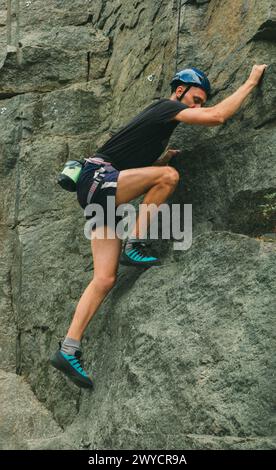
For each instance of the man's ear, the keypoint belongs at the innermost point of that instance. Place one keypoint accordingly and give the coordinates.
(182, 88)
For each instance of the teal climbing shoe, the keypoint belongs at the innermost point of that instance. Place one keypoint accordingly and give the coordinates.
(136, 253)
(72, 368)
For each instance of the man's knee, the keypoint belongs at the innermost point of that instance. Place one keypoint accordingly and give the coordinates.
(105, 283)
(170, 176)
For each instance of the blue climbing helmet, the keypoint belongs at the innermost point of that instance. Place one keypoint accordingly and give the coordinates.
(193, 77)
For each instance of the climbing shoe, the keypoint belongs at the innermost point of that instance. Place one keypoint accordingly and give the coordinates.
(136, 253)
(72, 367)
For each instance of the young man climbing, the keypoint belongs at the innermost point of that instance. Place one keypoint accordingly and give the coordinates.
(130, 158)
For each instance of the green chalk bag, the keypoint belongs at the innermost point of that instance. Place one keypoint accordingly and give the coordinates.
(69, 176)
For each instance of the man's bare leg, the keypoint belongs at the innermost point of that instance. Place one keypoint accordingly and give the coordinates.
(157, 182)
(105, 254)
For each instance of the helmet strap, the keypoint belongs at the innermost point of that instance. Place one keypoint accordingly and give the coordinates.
(184, 92)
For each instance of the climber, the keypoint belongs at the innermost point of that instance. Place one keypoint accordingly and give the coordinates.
(133, 166)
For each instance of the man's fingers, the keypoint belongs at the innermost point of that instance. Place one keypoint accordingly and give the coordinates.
(257, 73)
(174, 151)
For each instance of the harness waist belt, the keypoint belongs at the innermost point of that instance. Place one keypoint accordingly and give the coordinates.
(98, 178)
(96, 160)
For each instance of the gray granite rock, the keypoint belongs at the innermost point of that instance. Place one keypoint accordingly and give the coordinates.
(23, 419)
(182, 353)
(190, 344)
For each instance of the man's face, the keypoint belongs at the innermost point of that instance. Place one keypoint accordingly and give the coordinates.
(194, 98)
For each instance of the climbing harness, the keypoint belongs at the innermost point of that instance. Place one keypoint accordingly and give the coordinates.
(104, 167)
(70, 174)
(97, 183)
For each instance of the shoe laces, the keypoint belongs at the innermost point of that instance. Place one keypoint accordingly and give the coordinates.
(78, 355)
(140, 247)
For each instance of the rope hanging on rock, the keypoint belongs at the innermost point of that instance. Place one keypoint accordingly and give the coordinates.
(8, 22)
(178, 33)
(152, 77)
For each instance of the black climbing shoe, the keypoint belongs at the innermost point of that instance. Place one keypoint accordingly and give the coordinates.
(136, 253)
(71, 366)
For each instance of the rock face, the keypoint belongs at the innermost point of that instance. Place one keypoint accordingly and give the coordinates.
(25, 423)
(183, 353)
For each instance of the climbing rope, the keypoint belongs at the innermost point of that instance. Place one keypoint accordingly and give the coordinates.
(178, 34)
(152, 77)
(13, 33)
(8, 22)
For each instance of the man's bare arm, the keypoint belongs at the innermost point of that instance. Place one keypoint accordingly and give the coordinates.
(218, 114)
(162, 161)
